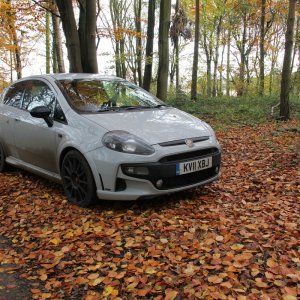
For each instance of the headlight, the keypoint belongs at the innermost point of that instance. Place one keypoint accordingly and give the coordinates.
(124, 141)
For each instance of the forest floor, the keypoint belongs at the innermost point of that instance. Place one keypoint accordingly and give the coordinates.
(237, 238)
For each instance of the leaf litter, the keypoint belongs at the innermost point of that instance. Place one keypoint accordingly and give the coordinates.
(237, 238)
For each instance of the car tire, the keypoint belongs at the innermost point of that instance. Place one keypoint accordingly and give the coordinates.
(2, 159)
(78, 180)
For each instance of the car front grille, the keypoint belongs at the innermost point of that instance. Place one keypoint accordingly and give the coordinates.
(187, 179)
(189, 155)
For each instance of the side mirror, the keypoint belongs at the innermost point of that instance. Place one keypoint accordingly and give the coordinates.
(42, 112)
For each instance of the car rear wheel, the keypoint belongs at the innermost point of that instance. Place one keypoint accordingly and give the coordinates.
(77, 178)
(2, 159)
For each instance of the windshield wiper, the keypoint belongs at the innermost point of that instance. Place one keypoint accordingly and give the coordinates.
(160, 105)
(108, 108)
(129, 107)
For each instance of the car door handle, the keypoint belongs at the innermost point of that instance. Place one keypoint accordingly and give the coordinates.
(17, 120)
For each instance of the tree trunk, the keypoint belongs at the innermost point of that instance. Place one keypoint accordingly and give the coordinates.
(209, 77)
(176, 45)
(163, 49)
(176, 48)
(196, 53)
(286, 69)
(48, 53)
(220, 89)
(262, 49)
(149, 46)
(216, 58)
(87, 36)
(65, 8)
(228, 64)
(138, 26)
(241, 87)
(57, 43)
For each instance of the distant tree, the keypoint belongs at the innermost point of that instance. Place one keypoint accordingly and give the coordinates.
(163, 49)
(196, 53)
(286, 69)
(81, 41)
(180, 28)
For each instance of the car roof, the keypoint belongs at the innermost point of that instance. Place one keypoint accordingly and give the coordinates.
(72, 76)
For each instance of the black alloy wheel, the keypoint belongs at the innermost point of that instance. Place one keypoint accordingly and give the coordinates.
(2, 159)
(77, 178)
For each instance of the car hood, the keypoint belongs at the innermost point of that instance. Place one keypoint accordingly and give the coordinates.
(154, 126)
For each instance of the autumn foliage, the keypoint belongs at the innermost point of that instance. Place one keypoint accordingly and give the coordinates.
(235, 239)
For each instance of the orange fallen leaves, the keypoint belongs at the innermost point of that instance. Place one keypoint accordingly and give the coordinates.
(235, 239)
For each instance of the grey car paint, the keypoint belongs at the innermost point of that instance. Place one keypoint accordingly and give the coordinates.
(30, 144)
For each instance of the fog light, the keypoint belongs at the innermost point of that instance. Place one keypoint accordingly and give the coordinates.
(137, 171)
(159, 183)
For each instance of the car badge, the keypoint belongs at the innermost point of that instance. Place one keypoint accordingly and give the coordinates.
(189, 143)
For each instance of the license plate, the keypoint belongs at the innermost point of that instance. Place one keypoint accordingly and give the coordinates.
(193, 166)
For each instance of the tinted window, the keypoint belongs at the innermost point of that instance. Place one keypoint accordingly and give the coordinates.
(38, 93)
(13, 96)
(58, 113)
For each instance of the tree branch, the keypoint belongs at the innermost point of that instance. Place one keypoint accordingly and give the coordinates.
(46, 8)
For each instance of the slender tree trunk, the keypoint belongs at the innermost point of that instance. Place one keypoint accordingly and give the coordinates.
(262, 49)
(72, 39)
(241, 88)
(216, 58)
(286, 69)
(228, 64)
(196, 53)
(176, 48)
(297, 38)
(48, 52)
(54, 58)
(149, 46)
(177, 74)
(220, 89)
(118, 60)
(122, 57)
(138, 26)
(57, 41)
(163, 49)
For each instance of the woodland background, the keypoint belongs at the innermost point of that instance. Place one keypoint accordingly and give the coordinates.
(180, 50)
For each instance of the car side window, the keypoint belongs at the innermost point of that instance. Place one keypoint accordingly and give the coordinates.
(37, 93)
(58, 113)
(13, 95)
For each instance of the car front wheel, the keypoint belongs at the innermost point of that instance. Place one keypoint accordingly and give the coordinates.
(2, 159)
(77, 178)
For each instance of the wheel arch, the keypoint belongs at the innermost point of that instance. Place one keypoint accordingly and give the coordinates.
(91, 164)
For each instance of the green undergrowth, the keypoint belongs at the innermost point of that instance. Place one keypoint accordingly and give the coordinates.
(224, 112)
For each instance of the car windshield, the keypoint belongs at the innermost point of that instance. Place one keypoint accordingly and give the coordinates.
(94, 95)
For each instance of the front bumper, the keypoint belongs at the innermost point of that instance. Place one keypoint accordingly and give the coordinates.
(160, 177)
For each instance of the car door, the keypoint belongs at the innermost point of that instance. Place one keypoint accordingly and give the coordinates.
(10, 110)
(36, 143)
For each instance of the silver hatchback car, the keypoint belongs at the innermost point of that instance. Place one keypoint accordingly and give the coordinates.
(103, 137)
